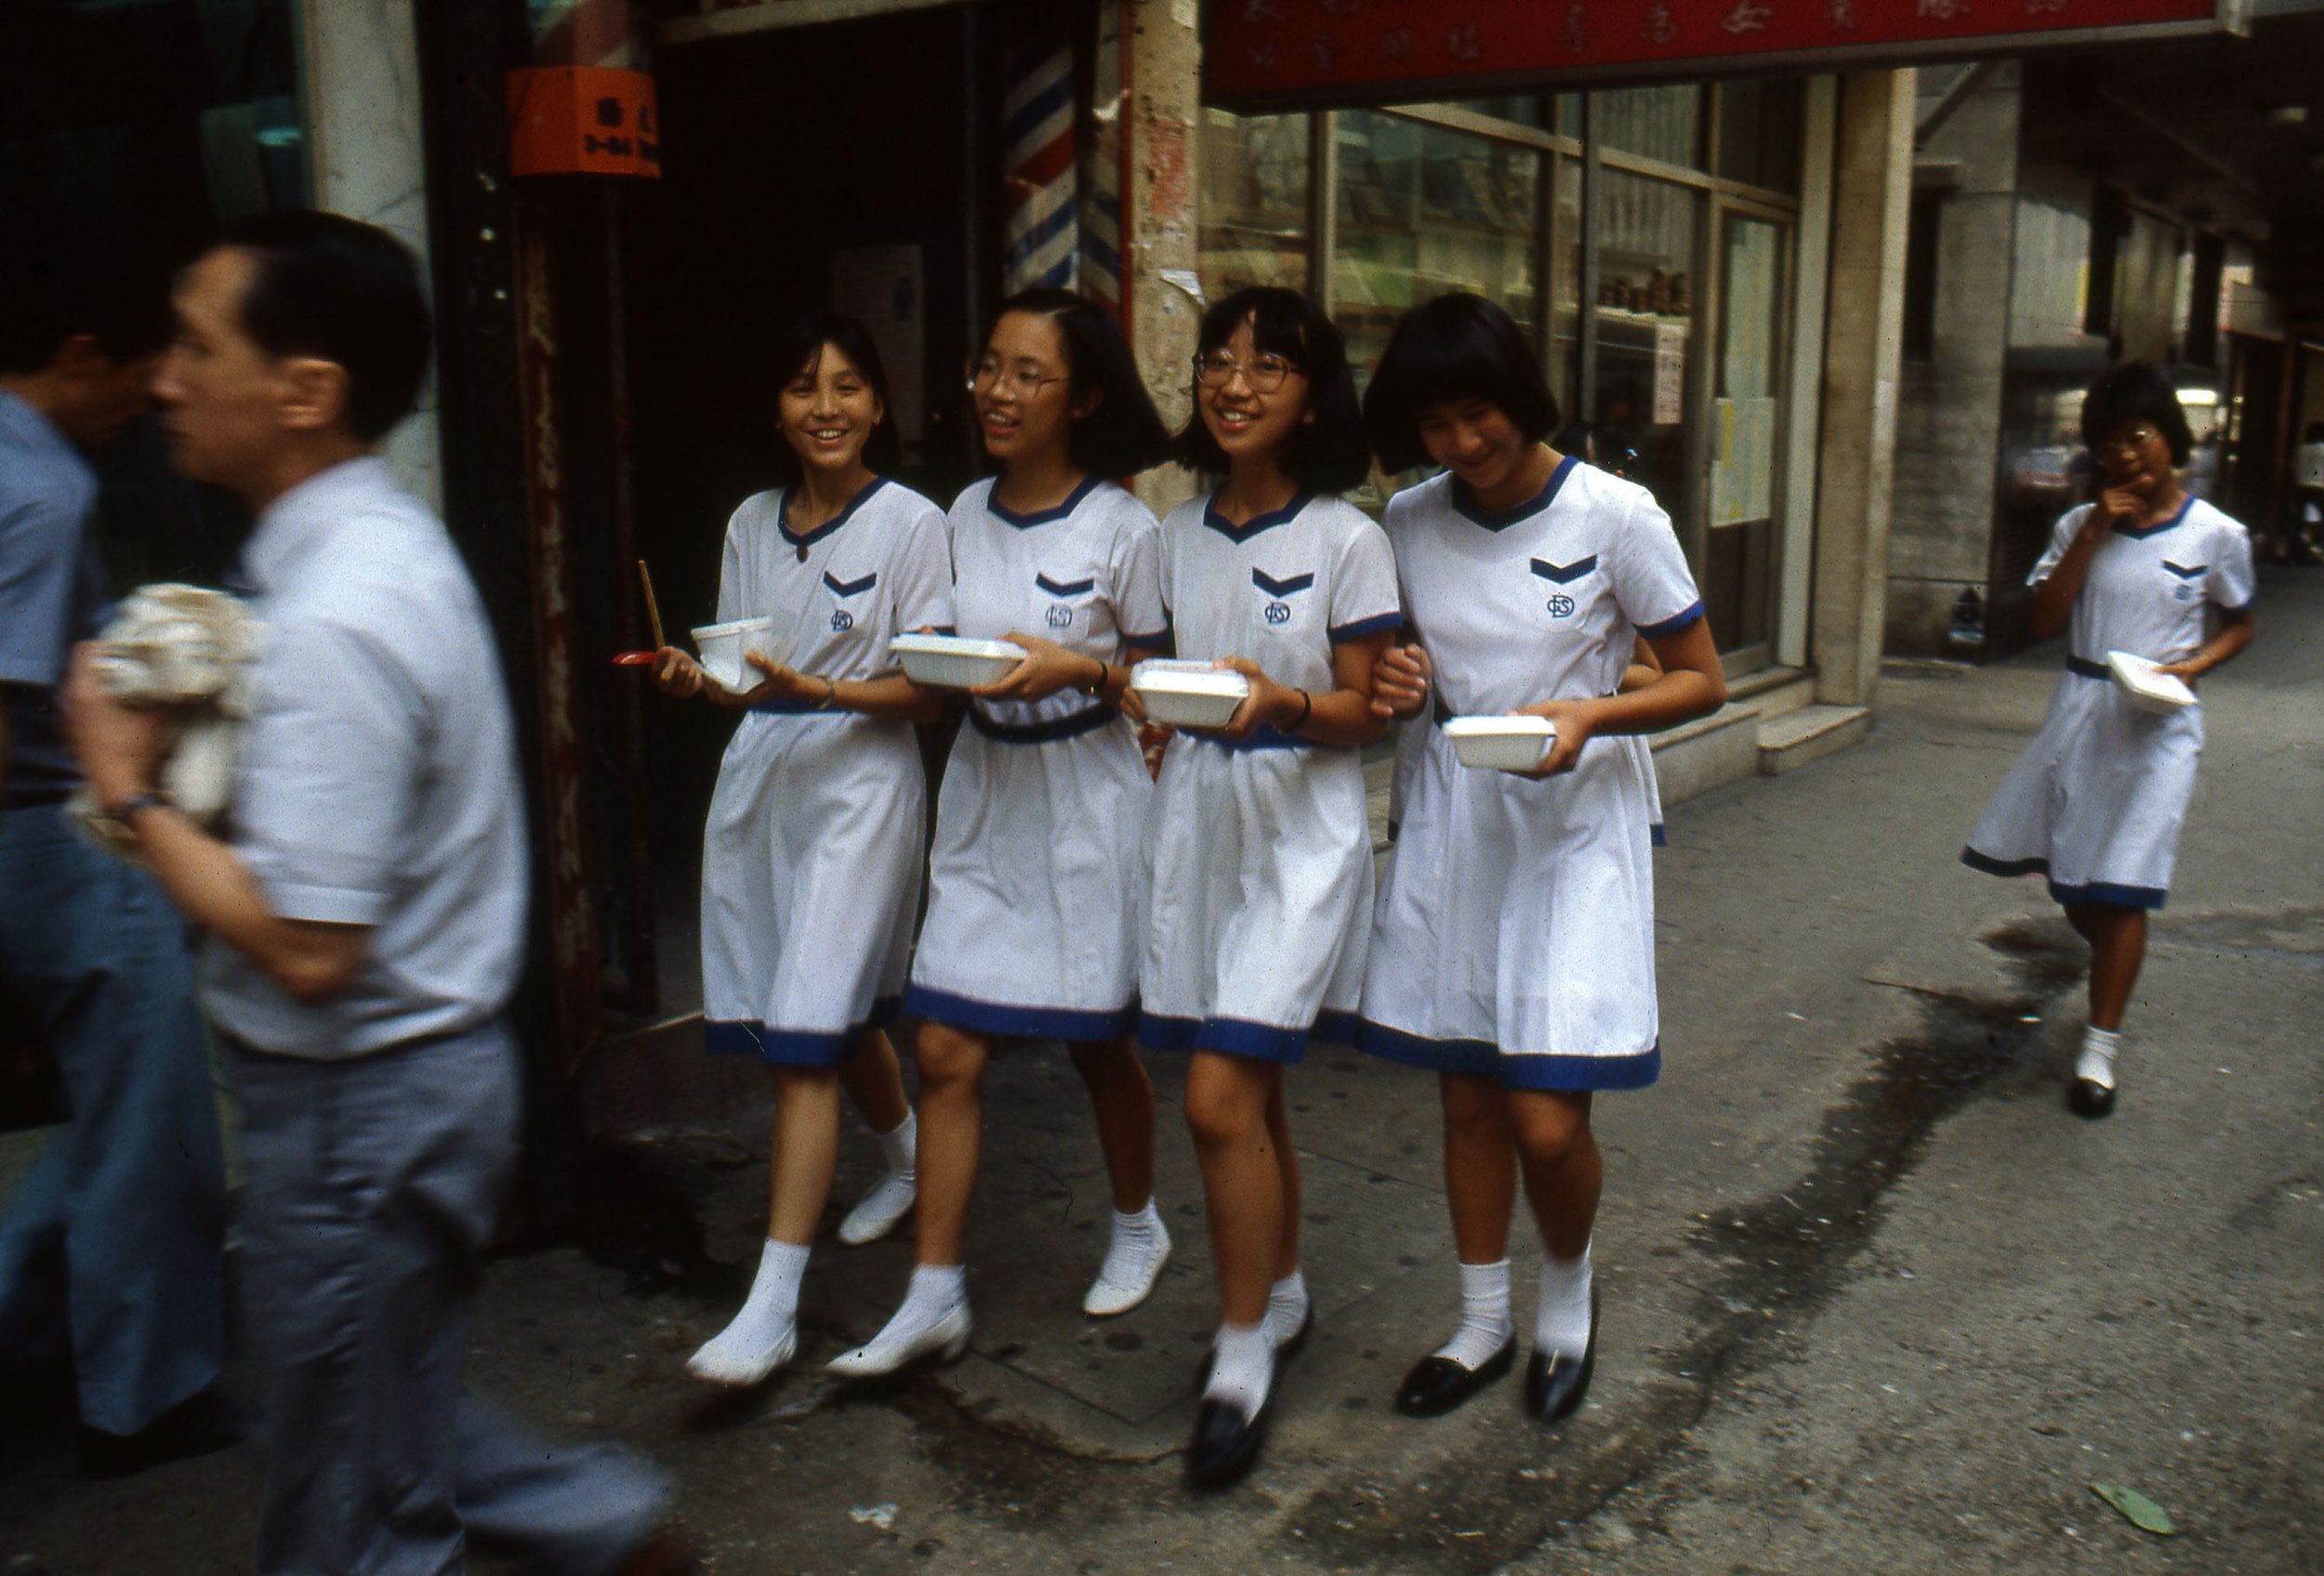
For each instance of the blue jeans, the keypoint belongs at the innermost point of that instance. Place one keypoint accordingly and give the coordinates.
(372, 1185)
(111, 1249)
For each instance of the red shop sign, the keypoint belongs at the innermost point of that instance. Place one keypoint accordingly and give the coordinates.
(1311, 54)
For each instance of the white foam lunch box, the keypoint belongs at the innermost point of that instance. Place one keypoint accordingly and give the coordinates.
(1500, 743)
(956, 662)
(2150, 688)
(1188, 694)
(723, 646)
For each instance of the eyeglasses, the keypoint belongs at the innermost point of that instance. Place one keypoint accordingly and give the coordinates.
(2130, 441)
(1216, 370)
(1022, 383)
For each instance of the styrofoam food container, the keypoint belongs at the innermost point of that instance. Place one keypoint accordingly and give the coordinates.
(2149, 689)
(956, 662)
(1188, 694)
(723, 646)
(1503, 744)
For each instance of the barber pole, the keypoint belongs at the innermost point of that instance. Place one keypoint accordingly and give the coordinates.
(1101, 169)
(1038, 232)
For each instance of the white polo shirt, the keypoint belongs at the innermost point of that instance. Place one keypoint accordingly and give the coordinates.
(376, 783)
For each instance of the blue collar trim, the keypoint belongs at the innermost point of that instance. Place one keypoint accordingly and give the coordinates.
(1042, 516)
(1465, 502)
(1256, 522)
(2142, 531)
(783, 515)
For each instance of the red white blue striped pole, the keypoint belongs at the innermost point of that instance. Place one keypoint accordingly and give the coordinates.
(1039, 236)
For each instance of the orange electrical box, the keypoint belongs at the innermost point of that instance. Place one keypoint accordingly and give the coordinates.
(583, 119)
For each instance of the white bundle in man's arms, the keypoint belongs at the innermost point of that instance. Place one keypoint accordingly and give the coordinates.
(190, 649)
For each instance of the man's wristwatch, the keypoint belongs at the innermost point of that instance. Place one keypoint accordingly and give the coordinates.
(129, 804)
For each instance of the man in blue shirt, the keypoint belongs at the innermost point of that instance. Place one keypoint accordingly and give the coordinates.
(110, 1251)
(366, 921)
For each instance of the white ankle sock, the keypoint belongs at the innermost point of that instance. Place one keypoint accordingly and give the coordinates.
(1485, 1321)
(901, 1144)
(2095, 1064)
(1135, 1238)
(1242, 1367)
(1562, 1322)
(1287, 1307)
(937, 1287)
(769, 1315)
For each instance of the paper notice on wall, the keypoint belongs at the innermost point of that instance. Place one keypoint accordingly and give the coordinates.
(1670, 406)
(880, 287)
(1743, 469)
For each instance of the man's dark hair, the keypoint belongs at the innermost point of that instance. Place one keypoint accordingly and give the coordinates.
(48, 297)
(340, 291)
(797, 352)
(2137, 391)
(1456, 347)
(1327, 454)
(1123, 435)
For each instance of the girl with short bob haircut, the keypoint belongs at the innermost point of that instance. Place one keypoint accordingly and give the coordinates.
(1513, 946)
(2096, 804)
(1261, 856)
(810, 863)
(1036, 881)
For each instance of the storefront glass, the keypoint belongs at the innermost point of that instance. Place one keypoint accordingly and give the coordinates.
(1654, 122)
(1422, 211)
(1254, 201)
(1646, 321)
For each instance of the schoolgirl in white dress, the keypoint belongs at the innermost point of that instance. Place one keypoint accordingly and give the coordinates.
(1262, 865)
(811, 864)
(2095, 802)
(1513, 948)
(1036, 879)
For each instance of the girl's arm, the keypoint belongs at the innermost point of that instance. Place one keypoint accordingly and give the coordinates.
(1342, 716)
(891, 697)
(1048, 668)
(1692, 685)
(2053, 599)
(2235, 633)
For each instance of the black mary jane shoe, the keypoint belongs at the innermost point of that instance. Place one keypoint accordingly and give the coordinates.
(2087, 1098)
(1437, 1384)
(1556, 1382)
(1225, 1444)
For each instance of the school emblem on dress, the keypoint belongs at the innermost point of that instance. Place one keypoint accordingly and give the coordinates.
(1560, 606)
(2186, 576)
(841, 619)
(1061, 615)
(1279, 611)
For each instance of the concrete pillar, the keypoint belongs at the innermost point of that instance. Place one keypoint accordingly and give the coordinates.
(367, 159)
(1160, 214)
(1872, 200)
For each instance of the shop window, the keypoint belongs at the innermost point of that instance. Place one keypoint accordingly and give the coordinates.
(1760, 125)
(1923, 244)
(1644, 323)
(1254, 201)
(2199, 343)
(1664, 124)
(1518, 110)
(1423, 210)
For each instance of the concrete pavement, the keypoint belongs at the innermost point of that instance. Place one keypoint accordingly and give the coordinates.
(1873, 1297)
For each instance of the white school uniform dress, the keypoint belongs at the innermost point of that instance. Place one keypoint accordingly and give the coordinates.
(1262, 853)
(1515, 931)
(811, 857)
(1037, 881)
(2096, 800)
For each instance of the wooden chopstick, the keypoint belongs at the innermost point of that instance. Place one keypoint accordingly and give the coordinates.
(653, 609)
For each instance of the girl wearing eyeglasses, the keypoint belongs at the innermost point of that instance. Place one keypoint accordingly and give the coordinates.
(2095, 802)
(811, 859)
(1036, 881)
(1513, 949)
(1262, 862)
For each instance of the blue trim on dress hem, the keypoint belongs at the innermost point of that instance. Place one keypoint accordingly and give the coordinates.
(1515, 1069)
(1071, 1023)
(1658, 835)
(791, 1047)
(1231, 1037)
(2063, 892)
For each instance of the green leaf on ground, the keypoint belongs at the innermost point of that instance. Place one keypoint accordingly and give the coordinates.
(2137, 1509)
